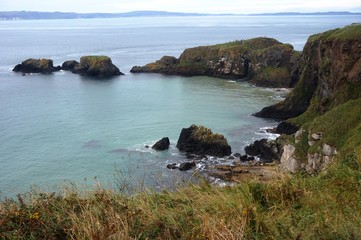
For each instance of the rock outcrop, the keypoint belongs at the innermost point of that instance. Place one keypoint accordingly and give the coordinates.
(201, 141)
(96, 66)
(69, 65)
(162, 144)
(267, 151)
(44, 66)
(262, 61)
(330, 75)
(286, 128)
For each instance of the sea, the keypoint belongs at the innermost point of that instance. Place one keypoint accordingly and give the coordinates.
(63, 128)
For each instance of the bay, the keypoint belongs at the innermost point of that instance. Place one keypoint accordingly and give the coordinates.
(66, 127)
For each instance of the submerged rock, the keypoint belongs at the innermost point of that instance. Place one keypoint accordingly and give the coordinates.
(172, 166)
(162, 144)
(201, 141)
(96, 66)
(185, 166)
(44, 66)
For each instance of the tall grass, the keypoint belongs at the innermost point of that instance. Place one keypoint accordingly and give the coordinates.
(327, 206)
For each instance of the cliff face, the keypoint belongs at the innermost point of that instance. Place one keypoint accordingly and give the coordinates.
(330, 75)
(263, 61)
(325, 104)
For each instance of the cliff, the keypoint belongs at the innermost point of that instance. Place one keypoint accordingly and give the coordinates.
(330, 75)
(325, 105)
(262, 61)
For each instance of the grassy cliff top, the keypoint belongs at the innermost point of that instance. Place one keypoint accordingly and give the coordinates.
(249, 44)
(349, 32)
(94, 58)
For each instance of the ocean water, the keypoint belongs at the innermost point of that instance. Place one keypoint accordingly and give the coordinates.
(64, 127)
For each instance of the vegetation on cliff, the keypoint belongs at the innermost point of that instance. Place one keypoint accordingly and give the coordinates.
(262, 61)
(330, 75)
(340, 128)
(325, 105)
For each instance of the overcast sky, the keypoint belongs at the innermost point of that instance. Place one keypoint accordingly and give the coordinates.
(200, 6)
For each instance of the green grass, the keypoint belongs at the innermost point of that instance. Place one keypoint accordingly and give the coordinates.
(275, 73)
(327, 206)
(94, 60)
(349, 32)
(341, 128)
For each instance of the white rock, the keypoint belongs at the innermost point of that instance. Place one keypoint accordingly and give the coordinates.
(313, 162)
(311, 143)
(316, 136)
(288, 161)
(327, 150)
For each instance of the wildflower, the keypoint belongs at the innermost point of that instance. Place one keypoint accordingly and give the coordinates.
(35, 216)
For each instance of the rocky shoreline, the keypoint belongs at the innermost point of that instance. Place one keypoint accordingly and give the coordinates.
(329, 85)
(326, 78)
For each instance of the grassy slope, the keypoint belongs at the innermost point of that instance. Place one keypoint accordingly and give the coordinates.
(324, 207)
(341, 128)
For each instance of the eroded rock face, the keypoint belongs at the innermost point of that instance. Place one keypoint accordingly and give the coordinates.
(201, 141)
(330, 74)
(44, 66)
(96, 66)
(263, 61)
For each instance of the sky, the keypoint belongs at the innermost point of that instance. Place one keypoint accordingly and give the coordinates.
(191, 6)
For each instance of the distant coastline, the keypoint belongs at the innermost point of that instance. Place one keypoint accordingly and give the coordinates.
(32, 15)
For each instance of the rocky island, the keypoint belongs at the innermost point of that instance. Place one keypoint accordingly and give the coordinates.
(93, 66)
(44, 66)
(262, 61)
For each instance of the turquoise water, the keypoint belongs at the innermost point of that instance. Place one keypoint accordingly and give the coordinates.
(65, 127)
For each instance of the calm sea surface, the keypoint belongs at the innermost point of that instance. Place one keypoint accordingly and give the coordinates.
(65, 127)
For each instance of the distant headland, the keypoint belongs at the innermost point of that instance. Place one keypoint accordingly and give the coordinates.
(31, 15)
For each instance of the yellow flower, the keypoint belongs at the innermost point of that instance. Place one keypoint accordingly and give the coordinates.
(35, 216)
